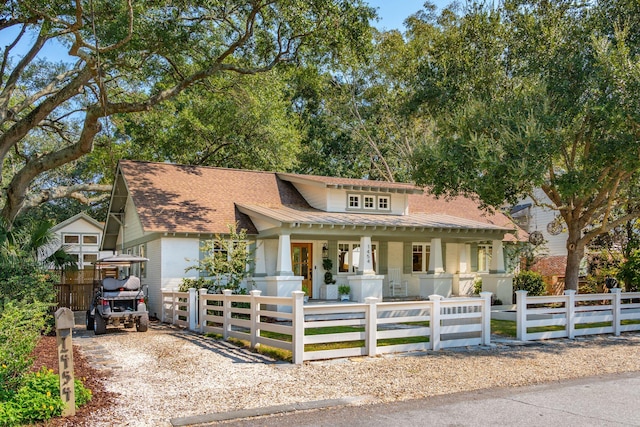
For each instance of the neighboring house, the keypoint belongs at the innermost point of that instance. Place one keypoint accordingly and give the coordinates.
(81, 237)
(370, 229)
(551, 261)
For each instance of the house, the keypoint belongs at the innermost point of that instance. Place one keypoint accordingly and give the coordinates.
(81, 237)
(533, 216)
(369, 229)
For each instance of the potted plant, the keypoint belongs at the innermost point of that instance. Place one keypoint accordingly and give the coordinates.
(327, 264)
(344, 291)
(305, 289)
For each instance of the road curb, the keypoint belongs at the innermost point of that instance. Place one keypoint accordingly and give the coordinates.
(257, 412)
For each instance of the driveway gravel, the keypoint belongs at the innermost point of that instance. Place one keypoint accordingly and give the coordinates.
(169, 373)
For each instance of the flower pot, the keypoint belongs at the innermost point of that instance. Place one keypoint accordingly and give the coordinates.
(344, 297)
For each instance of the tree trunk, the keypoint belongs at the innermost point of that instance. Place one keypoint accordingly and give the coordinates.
(575, 252)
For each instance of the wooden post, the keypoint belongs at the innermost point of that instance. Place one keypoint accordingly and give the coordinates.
(202, 309)
(255, 317)
(226, 304)
(616, 308)
(435, 320)
(64, 326)
(486, 318)
(298, 327)
(193, 309)
(521, 315)
(372, 325)
(570, 301)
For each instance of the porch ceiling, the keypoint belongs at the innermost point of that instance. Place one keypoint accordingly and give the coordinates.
(296, 217)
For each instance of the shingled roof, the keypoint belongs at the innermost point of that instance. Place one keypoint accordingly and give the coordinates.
(197, 199)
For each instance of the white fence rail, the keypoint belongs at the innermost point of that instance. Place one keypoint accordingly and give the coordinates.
(326, 331)
(571, 315)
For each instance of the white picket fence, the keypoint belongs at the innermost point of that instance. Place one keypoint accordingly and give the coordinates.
(364, 329)
(572, 315)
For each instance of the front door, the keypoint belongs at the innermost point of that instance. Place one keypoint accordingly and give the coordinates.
(302, 264)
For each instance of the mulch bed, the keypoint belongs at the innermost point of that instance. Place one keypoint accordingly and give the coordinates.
(46, 354)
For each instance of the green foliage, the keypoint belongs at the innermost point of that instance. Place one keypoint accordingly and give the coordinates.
(38, 399)
(21, 326)
(344, 290)
(629, 272)
(199, 283)
(227, 259)
(600, 266)
(327, 265)
(531, 282)
(477, 285)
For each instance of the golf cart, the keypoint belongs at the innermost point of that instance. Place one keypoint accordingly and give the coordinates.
(118, 297)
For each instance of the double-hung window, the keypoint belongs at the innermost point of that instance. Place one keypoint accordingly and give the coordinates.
(349, 257)
(420, 257)
(484, 257)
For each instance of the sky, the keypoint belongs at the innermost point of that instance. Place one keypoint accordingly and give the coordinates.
(392, 13)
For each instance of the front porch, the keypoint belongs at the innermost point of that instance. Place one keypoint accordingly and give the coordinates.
(382, 270)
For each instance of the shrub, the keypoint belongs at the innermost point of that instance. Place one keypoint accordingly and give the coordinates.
(38, 399)
(529, 281)
(21, 325)
(477, 285)
(24, 279)
(629, 272)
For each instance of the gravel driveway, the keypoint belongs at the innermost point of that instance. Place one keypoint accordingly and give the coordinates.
(168, 372)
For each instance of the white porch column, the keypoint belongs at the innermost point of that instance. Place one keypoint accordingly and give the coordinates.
(260, 260)
(435, 257)
(283, 266)
(497, 258)
(366, 257)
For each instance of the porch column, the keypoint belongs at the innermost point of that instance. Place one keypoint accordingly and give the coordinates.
(283, 266)
(366, 257)
(497, 258)
(435, 257)
(260, 261)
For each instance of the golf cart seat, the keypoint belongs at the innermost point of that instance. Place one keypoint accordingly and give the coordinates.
(131, 283)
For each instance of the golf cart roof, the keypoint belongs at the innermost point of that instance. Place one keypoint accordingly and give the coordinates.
(120, 260)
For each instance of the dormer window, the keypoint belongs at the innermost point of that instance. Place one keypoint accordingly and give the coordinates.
(354, 201)
(369, 202)
(383, 203)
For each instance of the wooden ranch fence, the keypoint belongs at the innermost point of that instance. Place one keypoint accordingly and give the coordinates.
(75, 296)
(571, 315)
(357, 329)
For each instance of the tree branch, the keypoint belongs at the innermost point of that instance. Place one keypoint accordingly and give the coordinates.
(73, 191)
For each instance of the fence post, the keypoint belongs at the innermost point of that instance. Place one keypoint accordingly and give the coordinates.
(202, 309)
(521, 315)
(193, 309)
(486, 317)
(571, 312)
(163, 316)
(297, 298)
(371, 340)
(616, 307)
(435, 321)
(174, 306)
(255, 317)
(226, 313)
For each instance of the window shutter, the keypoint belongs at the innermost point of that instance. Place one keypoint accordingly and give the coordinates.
(474, 257)
(383, 258)
(407, 257)
(333, 255)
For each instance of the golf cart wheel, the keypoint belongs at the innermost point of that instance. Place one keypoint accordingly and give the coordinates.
(99, 325)
(142, 324)
(89, 321)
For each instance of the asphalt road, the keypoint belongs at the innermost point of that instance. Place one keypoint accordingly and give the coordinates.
(612, 400)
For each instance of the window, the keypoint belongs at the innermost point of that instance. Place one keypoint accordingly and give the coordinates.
(349, 257)
(383, 203)
(70, 239)
(90, 239)
(369, 202)
(420, 257)
(142, 250)
(89, 258)
(354, 201)
(484, 257)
